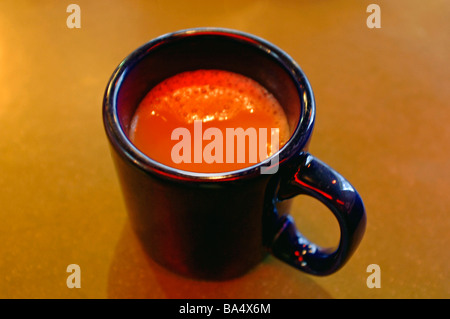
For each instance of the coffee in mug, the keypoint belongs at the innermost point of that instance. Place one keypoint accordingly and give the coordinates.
(209, 121)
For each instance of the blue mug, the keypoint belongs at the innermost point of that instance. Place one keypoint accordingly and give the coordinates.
(217, 226)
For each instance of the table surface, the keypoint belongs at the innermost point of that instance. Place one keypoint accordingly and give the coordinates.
(382, 121)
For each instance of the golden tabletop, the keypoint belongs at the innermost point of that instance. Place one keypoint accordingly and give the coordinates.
(382, 121)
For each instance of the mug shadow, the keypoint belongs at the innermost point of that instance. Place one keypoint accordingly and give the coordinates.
(133, 274)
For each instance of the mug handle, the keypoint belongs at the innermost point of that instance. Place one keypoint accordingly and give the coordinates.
(314, 178)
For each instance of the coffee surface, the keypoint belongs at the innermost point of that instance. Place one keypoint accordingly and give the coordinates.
(196, 101)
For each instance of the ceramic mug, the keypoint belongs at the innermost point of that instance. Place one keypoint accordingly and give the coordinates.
(217, 226)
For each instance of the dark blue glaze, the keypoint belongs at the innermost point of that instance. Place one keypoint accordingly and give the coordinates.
(218, 226)
(314, 178)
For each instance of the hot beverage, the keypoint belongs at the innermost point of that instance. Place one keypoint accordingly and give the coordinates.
(209, 121)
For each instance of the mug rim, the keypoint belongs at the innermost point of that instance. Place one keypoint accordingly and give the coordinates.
(118, 138)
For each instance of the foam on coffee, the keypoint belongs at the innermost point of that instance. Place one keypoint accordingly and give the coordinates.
(218, 98)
